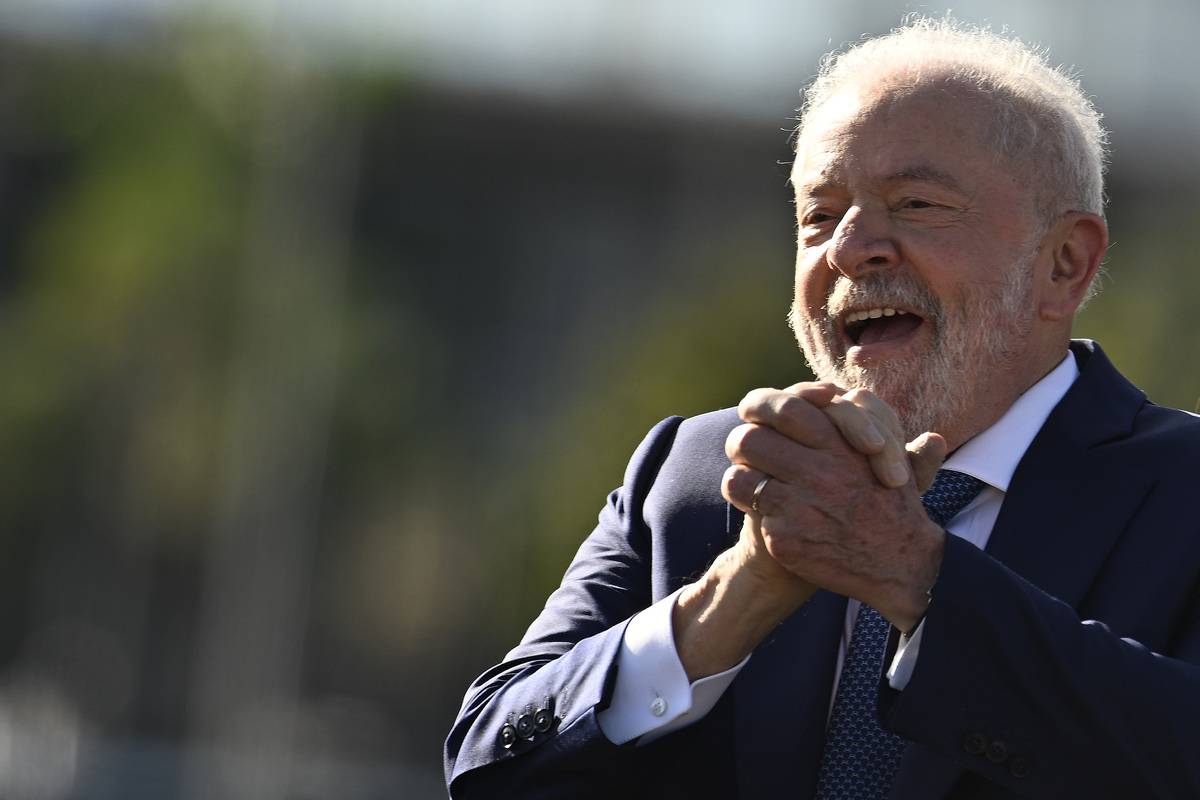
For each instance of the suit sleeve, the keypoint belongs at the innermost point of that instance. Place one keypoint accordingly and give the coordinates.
(1017, 688)
(529, 723)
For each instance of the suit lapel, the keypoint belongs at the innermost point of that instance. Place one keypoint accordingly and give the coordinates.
(1066, 505)
(1070, 497)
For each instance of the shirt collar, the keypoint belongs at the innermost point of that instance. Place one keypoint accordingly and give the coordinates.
(993, 455)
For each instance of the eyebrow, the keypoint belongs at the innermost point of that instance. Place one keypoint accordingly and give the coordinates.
(924, 173)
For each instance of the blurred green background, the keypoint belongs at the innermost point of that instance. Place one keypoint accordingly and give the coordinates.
(326, 329)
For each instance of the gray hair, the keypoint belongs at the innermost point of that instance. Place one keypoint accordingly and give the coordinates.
(1043, 118)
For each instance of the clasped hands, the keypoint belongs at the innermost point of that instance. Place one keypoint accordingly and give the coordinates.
(842, 510)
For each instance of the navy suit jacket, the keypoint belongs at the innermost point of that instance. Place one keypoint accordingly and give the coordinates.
(1063, 661)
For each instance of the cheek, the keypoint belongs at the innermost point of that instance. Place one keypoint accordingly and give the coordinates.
(973, 255)
(952, 269)
(813, 280)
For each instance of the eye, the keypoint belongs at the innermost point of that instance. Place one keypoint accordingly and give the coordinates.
(917, 203)
(817, 217)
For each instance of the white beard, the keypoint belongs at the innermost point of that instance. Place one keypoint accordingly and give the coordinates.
(980, 335)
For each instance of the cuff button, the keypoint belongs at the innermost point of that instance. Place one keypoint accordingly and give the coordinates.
(975, 744)
(508, 736)
(525, 726)
(1019, 767)
(658, 707)
(997, 752)
(542, 720)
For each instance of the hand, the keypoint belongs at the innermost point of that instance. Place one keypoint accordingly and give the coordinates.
(867, 423)
(825, 410)
(748, 591)
(832, 515)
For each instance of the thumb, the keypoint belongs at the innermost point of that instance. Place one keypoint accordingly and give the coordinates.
(925, 455)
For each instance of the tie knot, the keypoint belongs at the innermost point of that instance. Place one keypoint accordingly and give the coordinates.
(950, 493)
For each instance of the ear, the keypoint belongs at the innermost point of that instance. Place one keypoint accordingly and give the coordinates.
(1078, 244)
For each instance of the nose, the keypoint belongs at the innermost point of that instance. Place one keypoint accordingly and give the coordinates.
(862, 242)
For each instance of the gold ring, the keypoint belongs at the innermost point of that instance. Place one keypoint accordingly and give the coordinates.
(758, 490)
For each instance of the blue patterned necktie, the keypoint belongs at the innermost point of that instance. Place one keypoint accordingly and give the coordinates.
(860, 757)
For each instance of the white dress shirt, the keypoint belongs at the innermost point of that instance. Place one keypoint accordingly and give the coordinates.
(652, 696)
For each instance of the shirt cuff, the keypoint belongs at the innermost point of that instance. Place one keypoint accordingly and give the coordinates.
(905, 660)
(652, 696)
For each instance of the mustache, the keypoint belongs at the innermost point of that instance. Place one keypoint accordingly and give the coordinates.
(882, 289)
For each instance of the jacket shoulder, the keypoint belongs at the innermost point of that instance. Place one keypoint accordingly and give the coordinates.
(697, 459)
(705, 432)
(686, 494)
(1171, 433)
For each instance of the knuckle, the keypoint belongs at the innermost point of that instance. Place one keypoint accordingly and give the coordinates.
(735, 443)
(771, 529)
(872, 403)
(752, 404)
(841, 408)
(737, 485)
(778, 539)
(819, 394)
(729, 482)
(792, 407)
(858, 394)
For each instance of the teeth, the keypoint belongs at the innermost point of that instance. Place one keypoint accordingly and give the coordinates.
(872, 313)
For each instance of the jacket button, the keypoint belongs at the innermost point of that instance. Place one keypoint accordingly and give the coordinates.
(525, 726)
(542, 720)
(1019, 767)
(975, 744)
(508, 736)
(997, 752)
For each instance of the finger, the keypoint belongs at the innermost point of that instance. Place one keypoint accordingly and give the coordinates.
(926, 454)
(738, 485)
(791, 415)
(769, 452)
(819, 393)
(885, 452)
(884, 414)
(890, 464)
(856, 426)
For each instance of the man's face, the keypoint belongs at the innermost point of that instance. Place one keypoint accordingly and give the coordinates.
(916, 245)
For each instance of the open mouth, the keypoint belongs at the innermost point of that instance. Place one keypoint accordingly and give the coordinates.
(874, 325)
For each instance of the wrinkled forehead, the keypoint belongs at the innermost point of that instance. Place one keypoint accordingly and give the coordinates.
(860, 125)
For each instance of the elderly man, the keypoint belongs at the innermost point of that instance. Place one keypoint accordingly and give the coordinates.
(770, 607)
